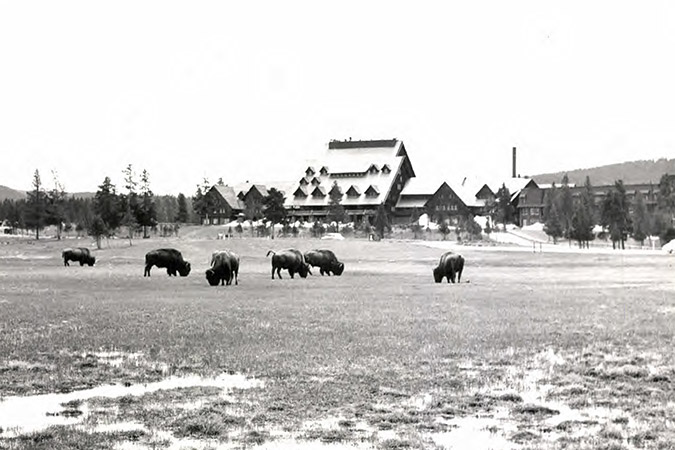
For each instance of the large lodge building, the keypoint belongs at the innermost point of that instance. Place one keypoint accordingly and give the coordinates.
(374, 173)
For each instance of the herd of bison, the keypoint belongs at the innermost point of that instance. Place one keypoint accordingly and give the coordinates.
(225, 264)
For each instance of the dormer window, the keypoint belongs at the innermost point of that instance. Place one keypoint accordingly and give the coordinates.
(386, 169)
(353, 192)
(310, 171)
(319, 192)
(373, 169)
(324, 171)
(300, 192)
(303, 181)
(316, 181)
(372, 191)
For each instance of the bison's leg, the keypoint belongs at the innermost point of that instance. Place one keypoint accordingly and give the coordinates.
(146, 273)
(452, 276)
(321, 270)
(236, 278)
(81, 263)
(65, 262)
(292, 273)
(459, 276)
(273, 269)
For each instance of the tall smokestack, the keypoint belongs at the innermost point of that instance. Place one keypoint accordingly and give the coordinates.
(513, 163)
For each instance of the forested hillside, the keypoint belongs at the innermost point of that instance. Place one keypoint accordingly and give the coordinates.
(630, 172)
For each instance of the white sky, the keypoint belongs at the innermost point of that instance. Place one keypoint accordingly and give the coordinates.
(248, 90)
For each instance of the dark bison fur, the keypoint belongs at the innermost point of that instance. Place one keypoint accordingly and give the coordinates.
(451, 264)
(224, 268)
(170, 258)
(325, 260)
(80, 254)
(292, 260)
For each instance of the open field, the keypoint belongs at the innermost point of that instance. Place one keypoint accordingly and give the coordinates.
(533, 351)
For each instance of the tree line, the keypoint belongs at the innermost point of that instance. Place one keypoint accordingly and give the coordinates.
(621, 216)
(134, 209)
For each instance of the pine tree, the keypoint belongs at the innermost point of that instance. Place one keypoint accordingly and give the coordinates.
(582, 225)
(615, 215)
(505, 210)
(130, 202)
(97, 229)
(56, 199)
(552, 225)
(273, 206)
(182, 216)
(640, 220)
(146, 215)
(382, 220)
(336, 212)
(107, 205)
(202, 202)
(566, 207)
(36, 206)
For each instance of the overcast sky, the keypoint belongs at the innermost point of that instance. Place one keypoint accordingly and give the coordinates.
(248, 90)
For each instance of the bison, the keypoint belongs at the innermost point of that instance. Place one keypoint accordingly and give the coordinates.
(80, 254)
(325, 260)
(224, 267)
(451, 264)
(290, 259)
(170, 258)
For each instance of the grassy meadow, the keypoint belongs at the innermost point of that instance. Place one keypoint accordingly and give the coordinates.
(531, 350)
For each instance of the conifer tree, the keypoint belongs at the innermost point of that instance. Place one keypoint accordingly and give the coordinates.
(505, 210)
(107, 205)
(566, 207)
(182, 216)
(640, 220)
(273, 205)
(56, 204)
(146, 213)
(36, 206)
(336, 212)
(615, 215)
(552, 225)
(382, 220)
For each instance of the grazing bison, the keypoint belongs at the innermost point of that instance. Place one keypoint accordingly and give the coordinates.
(170, 258)
(325, 260)
(80, 254)
(224, 267)
(451, 264)
(290, 259)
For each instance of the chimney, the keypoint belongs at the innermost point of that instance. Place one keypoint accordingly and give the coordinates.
(513, 163)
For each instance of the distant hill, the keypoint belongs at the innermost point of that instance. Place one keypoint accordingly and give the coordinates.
(632, 172)
(14, 194)
(11, 194)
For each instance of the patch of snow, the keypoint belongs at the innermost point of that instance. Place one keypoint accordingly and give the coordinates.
(24, 414)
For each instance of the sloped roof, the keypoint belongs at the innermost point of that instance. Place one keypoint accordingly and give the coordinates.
(348, 164)
(229, 195)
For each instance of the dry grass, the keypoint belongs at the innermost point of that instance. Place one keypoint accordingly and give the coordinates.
(383, 348)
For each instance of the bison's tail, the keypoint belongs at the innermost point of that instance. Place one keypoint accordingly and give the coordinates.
(272, 252)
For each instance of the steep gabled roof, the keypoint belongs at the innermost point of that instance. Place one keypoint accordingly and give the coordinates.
(353, 191)
(229, 196)
(349, 162)
(319, 191)
(301, 191)
(372, 190)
